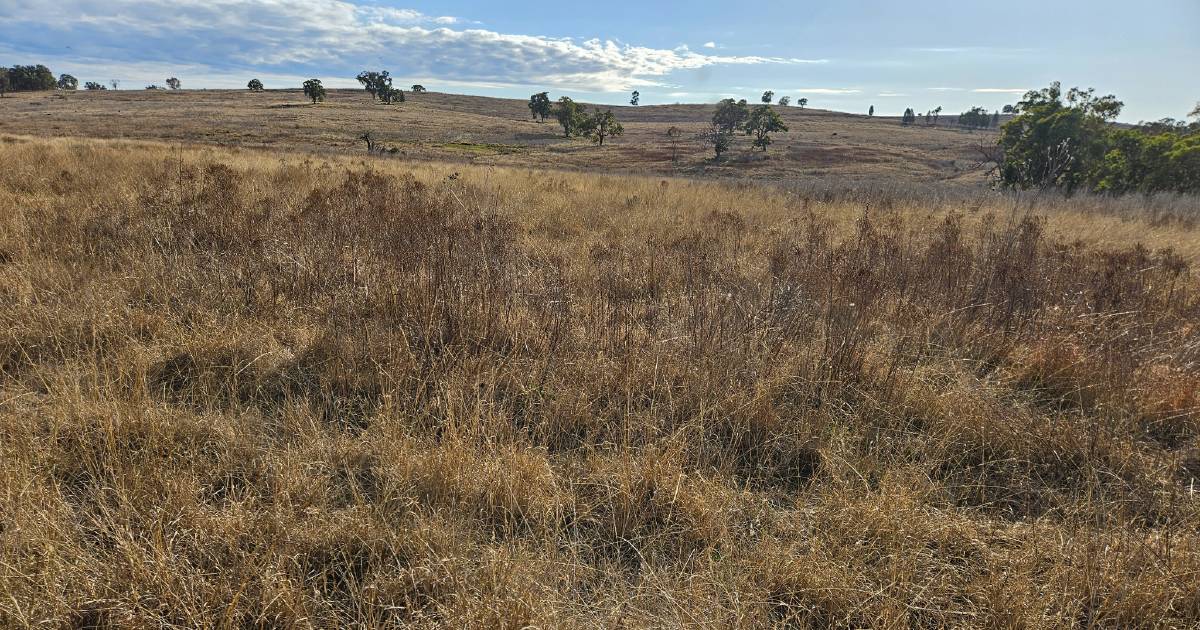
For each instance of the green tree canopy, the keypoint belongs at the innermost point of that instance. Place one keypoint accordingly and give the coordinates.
(730, 115)
(92, 86)
(571, 116)
(635, 98)
(31, 78)
(540, 106)
(67, 82)
(802, 103)
(603, 125)
(255, 85)
(763, 121)
(388, 94)
(975, 118)
(1055, 143)
(417, 88)
(314, 90)
(784, 101)
(768, 96)
(375, 83)
(174, 83)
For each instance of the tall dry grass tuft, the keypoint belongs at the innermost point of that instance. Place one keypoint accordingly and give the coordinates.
(241, 391)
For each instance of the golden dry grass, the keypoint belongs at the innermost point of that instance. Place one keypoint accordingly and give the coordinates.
(272, 390)
(821, 146)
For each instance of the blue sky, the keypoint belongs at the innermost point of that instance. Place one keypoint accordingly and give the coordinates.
(845, 55)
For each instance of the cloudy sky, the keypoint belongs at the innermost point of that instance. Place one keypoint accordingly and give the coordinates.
(845, 55)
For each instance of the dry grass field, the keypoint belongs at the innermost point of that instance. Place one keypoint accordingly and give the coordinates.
(247, 388)
(822, 145)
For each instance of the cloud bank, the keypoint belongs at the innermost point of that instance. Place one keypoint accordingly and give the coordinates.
(332, 37)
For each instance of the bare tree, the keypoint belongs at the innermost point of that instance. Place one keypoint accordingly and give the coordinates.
(673, 135)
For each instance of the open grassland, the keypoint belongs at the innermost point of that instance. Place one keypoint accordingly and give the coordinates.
(854, 150)
(249, 389)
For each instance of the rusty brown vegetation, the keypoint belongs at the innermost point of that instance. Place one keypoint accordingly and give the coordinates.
(273, 390)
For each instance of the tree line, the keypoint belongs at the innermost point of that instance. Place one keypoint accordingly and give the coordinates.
(974, 118)
(38, 78)
(1067, 141)
(33, 79)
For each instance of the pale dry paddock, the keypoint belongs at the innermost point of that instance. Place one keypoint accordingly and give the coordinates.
(245, 389)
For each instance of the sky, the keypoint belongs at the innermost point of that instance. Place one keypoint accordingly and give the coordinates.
(845, 55)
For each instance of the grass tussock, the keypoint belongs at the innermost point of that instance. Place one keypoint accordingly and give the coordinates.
(249, 391)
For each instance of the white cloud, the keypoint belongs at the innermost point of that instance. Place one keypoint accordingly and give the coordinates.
(1000, 90)
(710, 44)
(335, 37)
(890, 94)
(945, 89)
(828, 91)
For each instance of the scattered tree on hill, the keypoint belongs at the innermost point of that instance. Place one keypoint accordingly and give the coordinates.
(388, 95)
(635, 98)
(1195, 113)
(255, 85)
(937, 113)
(763, 121)
(571, 116)
(174, 83)
(540, 106)
(115, 83)
(4, 81)
(909, 117)
(369, 138)
(153, 87)
(67, 82)
(871, 112)
(602, 125)
(418, 89)
(768, 96)
(314, 90)
(93, 86)
(1010, 109)
(974, 118)
(730, 115)
(996, 119)
(31, 79)
(375, 83)
(720, 139)
(366, 78)
(784, 101)
(802, 103)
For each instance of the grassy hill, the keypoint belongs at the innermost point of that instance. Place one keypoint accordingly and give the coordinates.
(284, 389)
(821, 145)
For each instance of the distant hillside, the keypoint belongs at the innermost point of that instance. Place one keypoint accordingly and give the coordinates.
(851, 148)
